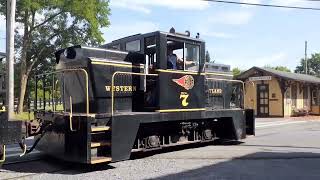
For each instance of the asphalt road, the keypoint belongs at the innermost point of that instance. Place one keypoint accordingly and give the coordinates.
(281, 149)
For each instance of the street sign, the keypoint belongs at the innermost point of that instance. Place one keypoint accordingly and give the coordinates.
(260, 78)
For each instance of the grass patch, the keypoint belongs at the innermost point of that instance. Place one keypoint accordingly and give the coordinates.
(24, 116)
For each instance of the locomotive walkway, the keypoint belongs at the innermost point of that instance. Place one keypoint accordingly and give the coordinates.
(281, 149)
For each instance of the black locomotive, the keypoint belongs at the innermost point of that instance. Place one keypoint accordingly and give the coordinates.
(125, 97)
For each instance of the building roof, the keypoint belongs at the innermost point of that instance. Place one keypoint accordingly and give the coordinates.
(281, 74)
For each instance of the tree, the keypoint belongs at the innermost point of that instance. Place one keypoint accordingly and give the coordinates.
(279, 68)
(313, 64)
(45, 26)
(236, 71)
(208, 56)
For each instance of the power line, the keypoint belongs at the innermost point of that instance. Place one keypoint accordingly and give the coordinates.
(266, 5)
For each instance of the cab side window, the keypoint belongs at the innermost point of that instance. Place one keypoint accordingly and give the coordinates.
(175, 55)
(150, 51)
(133, 46)
(192, 57)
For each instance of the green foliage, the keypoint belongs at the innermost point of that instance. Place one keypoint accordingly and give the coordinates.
(48, 25)
(313, 65)
(236, 71)
(208, 59)
(279, 68)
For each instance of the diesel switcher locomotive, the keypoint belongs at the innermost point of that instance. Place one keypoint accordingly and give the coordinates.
(139, 93)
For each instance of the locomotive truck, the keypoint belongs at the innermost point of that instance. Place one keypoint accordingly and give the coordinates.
(102, 104)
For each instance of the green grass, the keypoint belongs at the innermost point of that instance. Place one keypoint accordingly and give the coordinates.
(24, 116)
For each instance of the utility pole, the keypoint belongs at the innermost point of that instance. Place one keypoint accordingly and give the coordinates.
(11, 10)
(305, 55)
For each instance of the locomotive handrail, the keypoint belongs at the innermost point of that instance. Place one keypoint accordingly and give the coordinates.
(71, 115)
(24, 150)
(3, 159)
(231, 80)
(86, 79)
(112, 84)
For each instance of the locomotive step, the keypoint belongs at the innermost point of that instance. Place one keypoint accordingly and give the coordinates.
(96, 160)
(99, 144)
(99, 128)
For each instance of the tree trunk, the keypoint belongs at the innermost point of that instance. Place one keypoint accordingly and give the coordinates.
(23, 88)
(23, 66)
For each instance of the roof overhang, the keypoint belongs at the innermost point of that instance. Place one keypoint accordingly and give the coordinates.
(256, 70)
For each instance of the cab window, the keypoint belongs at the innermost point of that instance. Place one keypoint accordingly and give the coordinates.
(133, 46)
(192, 57)
(175, 54)
(182, 56)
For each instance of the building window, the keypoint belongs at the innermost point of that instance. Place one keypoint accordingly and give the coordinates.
(133, 46)
(314, 97)
(305, 96)
(294, 94)
(225, 69)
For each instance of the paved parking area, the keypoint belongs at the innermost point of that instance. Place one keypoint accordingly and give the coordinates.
(281, 149)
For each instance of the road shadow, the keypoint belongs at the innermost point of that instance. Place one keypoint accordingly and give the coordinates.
(52, 165)
(257, 166)
(139, 155)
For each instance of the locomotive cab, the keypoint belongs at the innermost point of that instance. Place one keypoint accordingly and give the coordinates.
(175, 88)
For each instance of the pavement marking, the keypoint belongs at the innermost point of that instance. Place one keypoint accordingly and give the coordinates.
(273, 122)
(279, 123)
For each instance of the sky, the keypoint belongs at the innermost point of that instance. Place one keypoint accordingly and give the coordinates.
(237, 35)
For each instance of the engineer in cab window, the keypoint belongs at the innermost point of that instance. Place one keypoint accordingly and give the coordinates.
(174, 62)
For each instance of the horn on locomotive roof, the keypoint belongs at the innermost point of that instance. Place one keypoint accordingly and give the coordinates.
(198, 35)
(173, 31)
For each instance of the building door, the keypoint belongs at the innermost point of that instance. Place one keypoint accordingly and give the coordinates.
(263, 100)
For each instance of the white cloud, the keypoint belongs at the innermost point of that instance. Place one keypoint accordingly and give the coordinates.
(232, 18)
(145, 5)
(277, 59)
(272, 60)
(126, 5)
(116, 31)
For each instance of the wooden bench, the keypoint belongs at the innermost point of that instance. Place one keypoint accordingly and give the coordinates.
(300, 111)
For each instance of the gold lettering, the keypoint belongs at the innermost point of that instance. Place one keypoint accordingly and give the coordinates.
(215, 91)
(121, 88)
(184, 96)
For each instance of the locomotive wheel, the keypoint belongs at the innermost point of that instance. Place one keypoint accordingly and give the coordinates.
(207, 134)
(153, 141)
